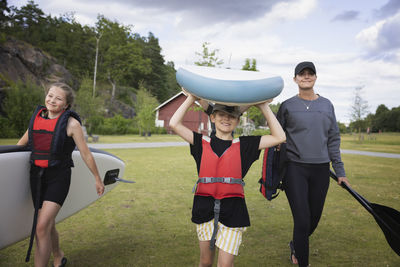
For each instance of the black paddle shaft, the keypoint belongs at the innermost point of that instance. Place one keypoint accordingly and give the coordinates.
(387, 218)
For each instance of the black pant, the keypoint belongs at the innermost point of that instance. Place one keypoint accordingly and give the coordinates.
(306, 186)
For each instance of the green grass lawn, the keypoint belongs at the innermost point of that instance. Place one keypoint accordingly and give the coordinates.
(384, 142)
(148, 223)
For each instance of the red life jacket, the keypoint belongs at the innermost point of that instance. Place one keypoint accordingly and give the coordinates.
(220, 177)
(48, 139)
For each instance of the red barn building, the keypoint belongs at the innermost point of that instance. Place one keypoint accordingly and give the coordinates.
(195, 119)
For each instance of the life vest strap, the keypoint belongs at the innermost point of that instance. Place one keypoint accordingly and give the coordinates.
(35, 216)
(224, 180)
(217, 209)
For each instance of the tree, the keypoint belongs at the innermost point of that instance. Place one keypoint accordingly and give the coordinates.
(61, 37)
(19, 104)
(256, 116)
(379, 121)
(123, 63)
(254, 113)
(145, 105)
(28, 22)
(87, 105)
(208, 58)
(71, 43)
(4, 18)
(3, 10)
(98, 37)
(121, 56)
(383, 120)
(342, 127)
(170, 80)
(155, 81)
(358, 110)
(247, 66)
(396, 120)
(113, 36)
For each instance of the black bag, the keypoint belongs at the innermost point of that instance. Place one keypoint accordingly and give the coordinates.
(273, 171)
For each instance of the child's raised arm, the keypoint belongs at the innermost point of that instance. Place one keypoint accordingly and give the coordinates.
(277, 135)
(176, 121)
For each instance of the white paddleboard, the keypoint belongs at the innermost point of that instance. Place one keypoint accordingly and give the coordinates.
(16, 206)
(229, 87)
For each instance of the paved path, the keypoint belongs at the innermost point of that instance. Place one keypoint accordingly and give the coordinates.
(372, 154)
(137, 145)
(169, 144)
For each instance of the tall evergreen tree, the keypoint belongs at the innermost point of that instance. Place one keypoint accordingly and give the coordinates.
(4, 10)
(157, 80)
(28, 22)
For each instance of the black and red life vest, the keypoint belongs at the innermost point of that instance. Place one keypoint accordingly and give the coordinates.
(220, 177)
(48, 139)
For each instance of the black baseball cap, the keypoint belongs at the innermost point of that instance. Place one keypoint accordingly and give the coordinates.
(304, 65)
(231, 110)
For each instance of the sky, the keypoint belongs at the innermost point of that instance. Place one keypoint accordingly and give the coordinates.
(354, 44)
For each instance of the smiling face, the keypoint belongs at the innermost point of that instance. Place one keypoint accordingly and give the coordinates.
(224, 122)
(56, 100)
(305, 79)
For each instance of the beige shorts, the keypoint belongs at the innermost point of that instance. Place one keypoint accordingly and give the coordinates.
(228, 239)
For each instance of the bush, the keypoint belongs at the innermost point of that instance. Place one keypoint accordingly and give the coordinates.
(159, 130)
(20, 102)
(238, 131)
(260, 132)
(95, 123)
(5, 130)
(116, 125)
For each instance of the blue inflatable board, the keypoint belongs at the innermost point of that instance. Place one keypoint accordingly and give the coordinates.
(230, 87)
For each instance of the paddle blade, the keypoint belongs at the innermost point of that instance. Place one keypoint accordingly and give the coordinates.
(387, 218)
(389, 221)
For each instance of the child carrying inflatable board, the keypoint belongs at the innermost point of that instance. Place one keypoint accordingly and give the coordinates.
(219, 207)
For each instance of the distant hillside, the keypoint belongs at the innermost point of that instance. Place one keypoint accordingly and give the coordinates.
(21, 61)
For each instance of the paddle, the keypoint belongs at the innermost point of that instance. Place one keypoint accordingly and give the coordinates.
(387, 218)
(111, 177)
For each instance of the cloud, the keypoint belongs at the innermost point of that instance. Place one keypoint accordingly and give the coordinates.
(203, 12)
(389, 9)
(290, 10)
(346, 16)
(382, 40)
(250, 39)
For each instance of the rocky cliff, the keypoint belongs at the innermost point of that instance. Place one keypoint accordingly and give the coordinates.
(21, 61)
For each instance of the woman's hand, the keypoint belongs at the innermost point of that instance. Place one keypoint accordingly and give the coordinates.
(341, 180)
